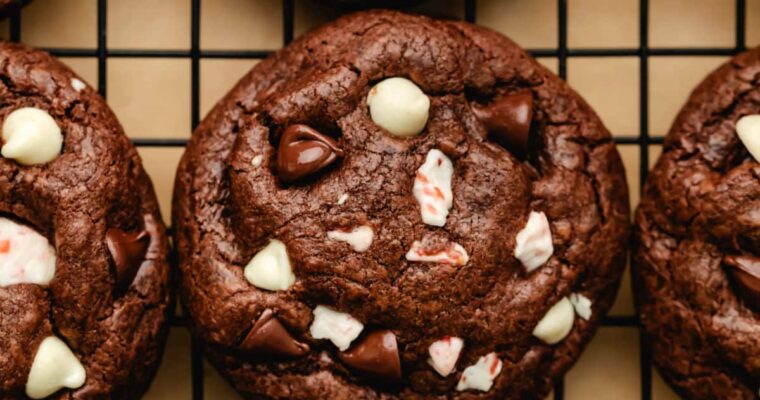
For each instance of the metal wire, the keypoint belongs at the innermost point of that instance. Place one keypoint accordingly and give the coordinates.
(559, 385)
(562, 53)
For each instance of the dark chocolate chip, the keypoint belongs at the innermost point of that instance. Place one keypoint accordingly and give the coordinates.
(304, 151)
(376, 355)
(128, 252)
(507, 120)
(745, 273)
(269, 337)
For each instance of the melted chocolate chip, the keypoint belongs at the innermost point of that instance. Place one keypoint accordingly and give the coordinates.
(269, 337)
(304, 151)
(376, 355)
(128, 252)
(745, 273)
(507, 120)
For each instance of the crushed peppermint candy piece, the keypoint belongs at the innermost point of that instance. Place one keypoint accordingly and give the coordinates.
(444, 354)
(340, 328)
(359, 238)
(342, 199)
(432, 188)
(25, 255)
(534, 242)
(480, 375)
(454, 255)
(581, 304)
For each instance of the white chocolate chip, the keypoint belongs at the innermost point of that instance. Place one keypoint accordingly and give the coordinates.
(256, 161)
(343, 199)
(340, 328)
(557, 322)
(444, 354)
(534, 242)
(454, 255)
(480, 375)
(360, 238)
(25, 255)
(54, 367)
(77, 84)
(432, 188)
(270, 268)
(748, 130)
(582, 305)
(399, 106)
(31, 136)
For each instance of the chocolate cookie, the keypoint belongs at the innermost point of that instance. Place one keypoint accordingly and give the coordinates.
(84, 271)
(697, 242)
(399, 207)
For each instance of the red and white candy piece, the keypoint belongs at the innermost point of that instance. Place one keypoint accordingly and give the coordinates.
(534, 242)
(54, 367)
(340, 328)
(359, 238)
(454, 255)
(432, 188)
(480, 375)
(444, 354)
(25, 255)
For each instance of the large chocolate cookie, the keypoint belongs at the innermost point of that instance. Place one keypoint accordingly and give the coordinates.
(399, 207)
(697, 265)
(84, 273)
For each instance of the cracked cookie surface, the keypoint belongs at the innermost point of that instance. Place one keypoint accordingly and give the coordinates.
(108, 300)
(445, 307)
(700, 213)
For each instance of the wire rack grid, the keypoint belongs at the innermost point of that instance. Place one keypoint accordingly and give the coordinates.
(643, 52)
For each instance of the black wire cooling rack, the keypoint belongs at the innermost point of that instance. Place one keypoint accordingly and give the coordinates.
(561, 53)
